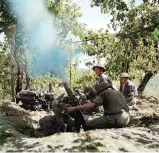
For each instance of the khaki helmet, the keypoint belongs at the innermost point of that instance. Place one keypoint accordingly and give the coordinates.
(90, 92)
(99, 87)
(124, 75)
(99, 66)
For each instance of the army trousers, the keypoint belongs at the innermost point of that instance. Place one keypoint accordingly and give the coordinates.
(109, 121)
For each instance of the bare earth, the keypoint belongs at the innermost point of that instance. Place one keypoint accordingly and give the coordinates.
(142, 135)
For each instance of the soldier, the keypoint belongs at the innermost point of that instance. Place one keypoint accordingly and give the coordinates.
(63, 101)
(116, 111)
(99, 69)
(128, 89)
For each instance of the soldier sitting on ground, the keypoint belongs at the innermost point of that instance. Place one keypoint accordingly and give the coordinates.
(116, 111)
(128, 89)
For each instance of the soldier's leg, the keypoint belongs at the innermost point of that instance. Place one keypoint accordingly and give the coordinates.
(123, 119)
(108, 121)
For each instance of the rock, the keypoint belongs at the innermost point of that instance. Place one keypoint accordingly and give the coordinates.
(48, 125)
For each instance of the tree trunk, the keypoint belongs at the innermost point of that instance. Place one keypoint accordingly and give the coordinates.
(41, 86)
(125, 67)
(4, 87)
(50, 86)
(19, 79)
(144, 82)
(28, 85)
(27, 82)
(12, 31)
(12, 80)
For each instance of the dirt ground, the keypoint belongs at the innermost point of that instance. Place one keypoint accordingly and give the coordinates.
(17, 132)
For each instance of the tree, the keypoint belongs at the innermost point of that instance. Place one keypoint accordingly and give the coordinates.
(68, 26)
(142, 22)
(102, 44)
(4, 72)
(8, 26)
(21, 55)
(134, 48)
(117, 9)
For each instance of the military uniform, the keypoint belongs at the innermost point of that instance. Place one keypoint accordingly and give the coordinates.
(129, 91)
(103, 78)
(115, 110)
(99, 79)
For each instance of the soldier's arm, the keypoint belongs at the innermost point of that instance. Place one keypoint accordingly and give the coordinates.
(98, 101)
(86, 106)
(130, 90)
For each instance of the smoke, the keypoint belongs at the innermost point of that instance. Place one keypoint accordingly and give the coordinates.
(52, 61)
(38, 22)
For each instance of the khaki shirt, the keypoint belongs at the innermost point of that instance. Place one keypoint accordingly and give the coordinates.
(129, 91)
(112, 100)
(103, 78)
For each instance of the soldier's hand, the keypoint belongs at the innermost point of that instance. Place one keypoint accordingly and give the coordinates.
(70, 109)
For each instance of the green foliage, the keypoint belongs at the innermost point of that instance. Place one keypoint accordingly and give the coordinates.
(155, 34)
(141, 21)
(108, 5)
(97, 43)
(66, 14)
(66, 20)
(116, 8)
(43, 82)
(78, 78)
(82, 79)
(119, 9)
(133, 48)
(54, 6)
(4, 73)
(6, 17)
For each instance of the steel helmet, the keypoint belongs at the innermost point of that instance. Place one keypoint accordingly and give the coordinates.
(124, 75)
(99, 66)
(99, 87)
(90, 92)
